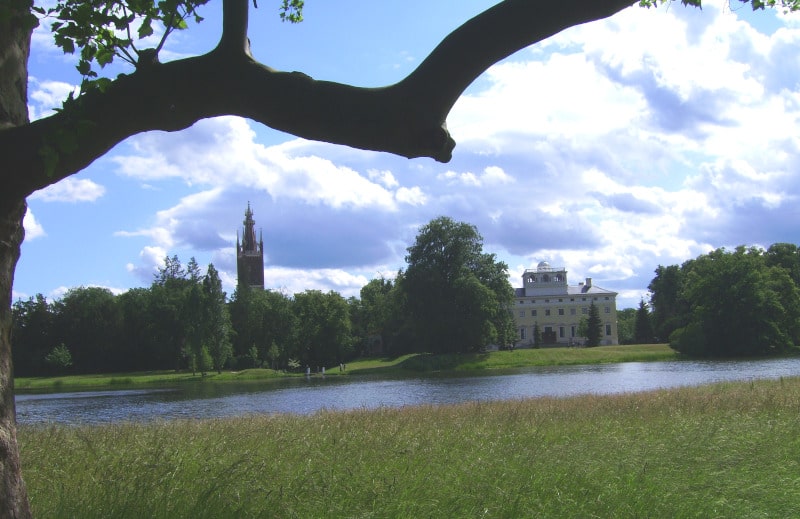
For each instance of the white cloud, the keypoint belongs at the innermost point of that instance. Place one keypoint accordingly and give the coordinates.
(150, 259)
(411, 196)
(293, 281)
(33, 229)
(45, 96)
(70, 190)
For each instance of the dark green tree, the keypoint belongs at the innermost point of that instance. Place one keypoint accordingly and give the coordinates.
(626, 325)
(785, 256)
(594, 326)
(456, 296)
(59, 359)
(739, 306)
(216, 321)
(87, 322)
(537, 336)
(324, 339)
(33, 335)
(643, 332)
(670, 309)
(138, 339)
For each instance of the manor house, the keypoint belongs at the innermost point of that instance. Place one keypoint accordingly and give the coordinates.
(557, 307)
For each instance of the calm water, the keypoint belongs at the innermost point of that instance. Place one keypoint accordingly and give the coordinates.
(305, 396)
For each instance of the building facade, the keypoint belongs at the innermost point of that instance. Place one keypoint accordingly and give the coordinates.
(250, 254)
(548, 300)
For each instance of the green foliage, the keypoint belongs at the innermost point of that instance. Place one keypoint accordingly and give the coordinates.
(59, 358)
(643, 331)
(291, 11)
(732, 303)
(594, 326)
(785, 5)
(669, 307)
(103, 30)
(455, 296)
(626, 323)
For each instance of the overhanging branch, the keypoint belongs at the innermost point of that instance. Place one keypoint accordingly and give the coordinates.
(406, 119)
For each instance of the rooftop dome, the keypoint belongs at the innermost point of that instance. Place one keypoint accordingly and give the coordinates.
(543, 265)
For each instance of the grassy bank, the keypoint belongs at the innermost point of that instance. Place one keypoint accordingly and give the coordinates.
(728, 450)
(405, 364)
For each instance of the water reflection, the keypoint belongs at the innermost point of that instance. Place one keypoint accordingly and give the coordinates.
(305, 396)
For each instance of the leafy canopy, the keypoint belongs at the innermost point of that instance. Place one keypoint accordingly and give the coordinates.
(104, 30)
(786, 5)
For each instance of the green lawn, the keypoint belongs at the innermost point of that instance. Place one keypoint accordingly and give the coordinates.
(414, 363)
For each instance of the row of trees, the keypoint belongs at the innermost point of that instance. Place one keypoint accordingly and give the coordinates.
(181, 321)
(451, 298)
(730, 303)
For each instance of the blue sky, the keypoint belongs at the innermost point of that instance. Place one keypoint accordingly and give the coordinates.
(646, 139)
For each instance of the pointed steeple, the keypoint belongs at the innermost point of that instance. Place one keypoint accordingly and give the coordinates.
(250, 253)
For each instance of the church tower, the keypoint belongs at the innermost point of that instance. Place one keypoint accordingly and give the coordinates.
(250, 254)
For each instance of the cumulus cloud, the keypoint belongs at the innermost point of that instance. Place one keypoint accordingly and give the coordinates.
(45, 96)
(33, 229)
(611, 148)
(70, 190)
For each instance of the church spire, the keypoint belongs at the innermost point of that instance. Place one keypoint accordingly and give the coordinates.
(250, 254)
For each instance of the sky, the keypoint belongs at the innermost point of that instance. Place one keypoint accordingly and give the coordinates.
(646, 139)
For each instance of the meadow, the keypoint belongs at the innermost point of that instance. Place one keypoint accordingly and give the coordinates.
(724, 450)
(411, 364)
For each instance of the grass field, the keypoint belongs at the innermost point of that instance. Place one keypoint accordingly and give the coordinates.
(726, 450)
(405, 364)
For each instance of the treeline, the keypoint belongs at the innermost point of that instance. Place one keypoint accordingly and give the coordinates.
(452, 297)
(730, 303)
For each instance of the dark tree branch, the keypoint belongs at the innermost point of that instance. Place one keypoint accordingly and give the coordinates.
(406, 119)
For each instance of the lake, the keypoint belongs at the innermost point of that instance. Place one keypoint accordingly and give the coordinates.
(309, 395)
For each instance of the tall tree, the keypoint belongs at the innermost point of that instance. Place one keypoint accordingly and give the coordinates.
(33, 334)
(594, 326)
(216, 319)
(739, 306)
(407, 118)
(643, 331)
(626, 325)
(455, 295)
(88, 321)
(669, 307)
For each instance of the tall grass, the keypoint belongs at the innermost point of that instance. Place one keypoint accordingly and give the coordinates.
(727, 450)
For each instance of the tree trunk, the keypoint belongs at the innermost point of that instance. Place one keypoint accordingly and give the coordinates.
(13, 496)
(15, 37)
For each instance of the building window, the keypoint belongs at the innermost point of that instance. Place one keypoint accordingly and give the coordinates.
(572, 331)
(533, 313)
(606, 298)
(572, 311)
(560, 300)
(522, 313)
(547, 312)
(583, 299)
(560, 311)
(608, 309)
(521, 302)
(522, 335)
(561, 331)
(546, 300)
(608, 329)
(584, 310)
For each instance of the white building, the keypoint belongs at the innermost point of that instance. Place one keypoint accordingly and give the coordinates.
(557, 307)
